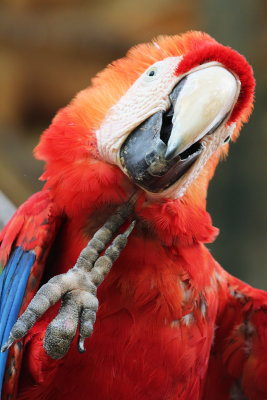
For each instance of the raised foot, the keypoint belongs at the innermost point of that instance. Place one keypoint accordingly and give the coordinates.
(77, 289)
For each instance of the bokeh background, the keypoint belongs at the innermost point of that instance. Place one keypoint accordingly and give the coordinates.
(49, 50)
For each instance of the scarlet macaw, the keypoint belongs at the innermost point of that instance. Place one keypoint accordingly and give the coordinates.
(171, 323)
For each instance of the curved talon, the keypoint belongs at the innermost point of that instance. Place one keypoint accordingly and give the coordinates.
(8, 343)
(77, 288)
(80, 345)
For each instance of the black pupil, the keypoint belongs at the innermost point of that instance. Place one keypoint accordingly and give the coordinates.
(151, 73)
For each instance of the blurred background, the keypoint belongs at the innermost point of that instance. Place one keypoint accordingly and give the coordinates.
(49, 50)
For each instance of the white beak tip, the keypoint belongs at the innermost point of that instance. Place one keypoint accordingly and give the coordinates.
(205, 100)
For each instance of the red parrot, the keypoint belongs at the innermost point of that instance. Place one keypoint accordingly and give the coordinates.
(169, 322)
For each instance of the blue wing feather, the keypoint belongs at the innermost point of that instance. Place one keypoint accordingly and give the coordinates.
(13, 282)
(4, 275)
(10, 272)
(25, 243)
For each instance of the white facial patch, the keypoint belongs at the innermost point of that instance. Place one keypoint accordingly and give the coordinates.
(148, 95)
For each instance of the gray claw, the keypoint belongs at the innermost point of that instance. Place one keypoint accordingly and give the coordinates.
(8, 343)
(80, 345)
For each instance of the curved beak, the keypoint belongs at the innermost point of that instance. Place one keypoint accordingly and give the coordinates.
(204, 103)
(160, 150)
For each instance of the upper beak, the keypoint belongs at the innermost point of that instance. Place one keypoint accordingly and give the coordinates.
(160, 150)
(205, 100)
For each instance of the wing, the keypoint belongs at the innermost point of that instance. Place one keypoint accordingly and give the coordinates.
(24, 245)
(238, 362)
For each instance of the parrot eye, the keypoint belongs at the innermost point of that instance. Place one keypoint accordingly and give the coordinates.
(152, 71)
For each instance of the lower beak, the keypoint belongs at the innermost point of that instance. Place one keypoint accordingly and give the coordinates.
(160, 150)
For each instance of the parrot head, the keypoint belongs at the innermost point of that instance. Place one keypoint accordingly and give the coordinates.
(157, 120)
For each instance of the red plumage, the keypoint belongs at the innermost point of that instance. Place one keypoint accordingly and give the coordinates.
(171, 323)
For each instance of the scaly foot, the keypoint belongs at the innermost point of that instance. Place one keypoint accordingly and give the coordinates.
(77, 289)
